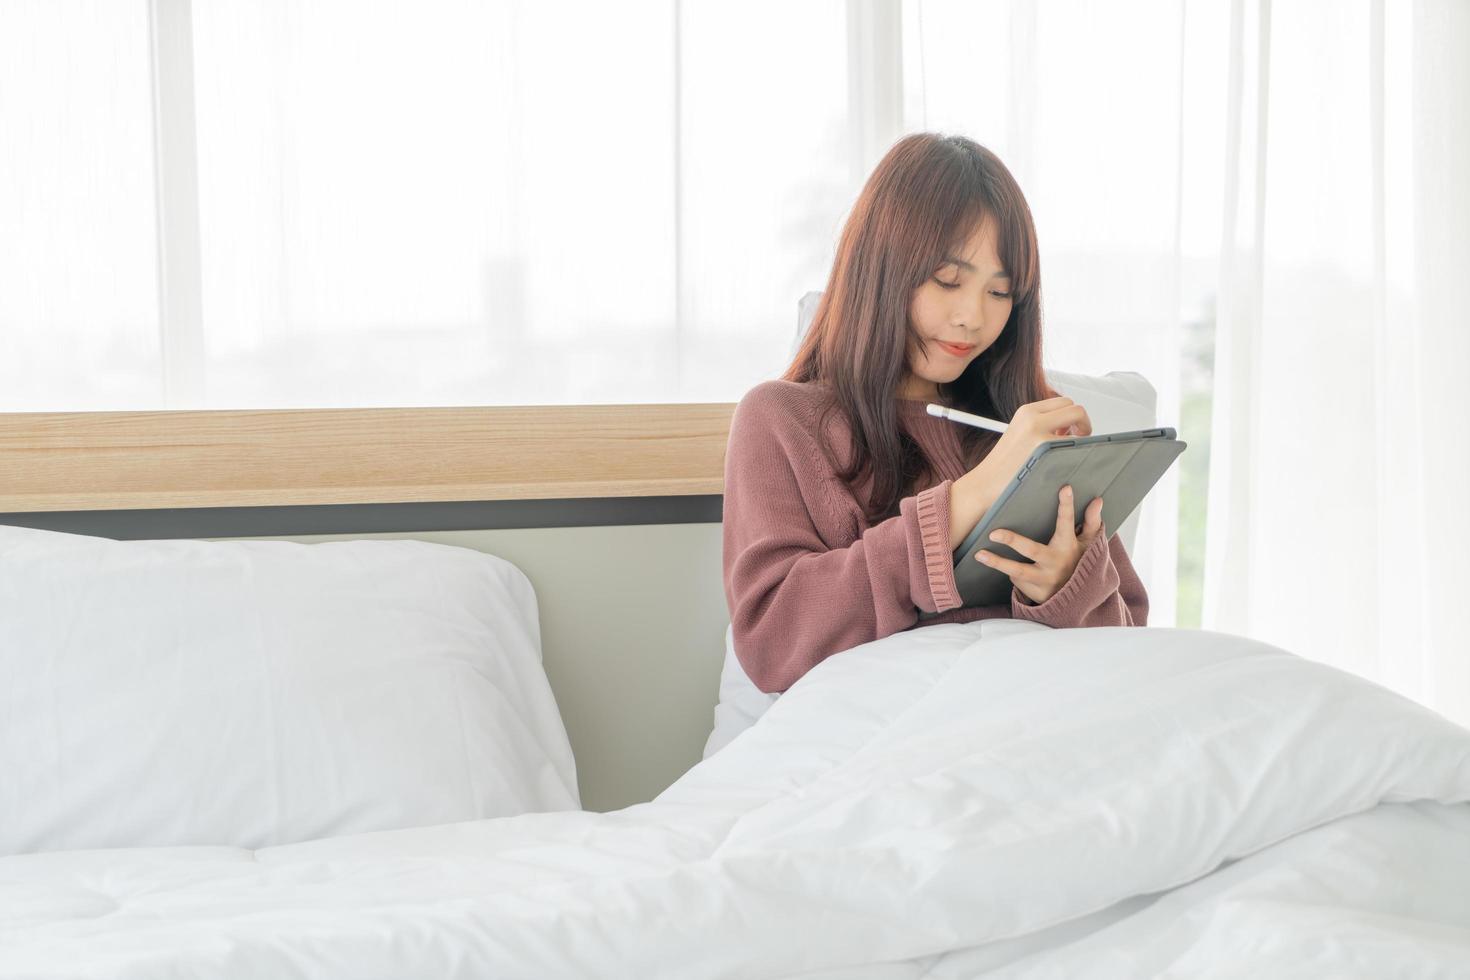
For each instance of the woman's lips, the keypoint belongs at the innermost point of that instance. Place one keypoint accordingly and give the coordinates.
(956, 349)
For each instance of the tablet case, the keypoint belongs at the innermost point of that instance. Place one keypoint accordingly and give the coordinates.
(1120, 467)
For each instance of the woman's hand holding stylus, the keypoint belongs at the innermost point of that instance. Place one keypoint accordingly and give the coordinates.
(1034, 423)
(1051, 564)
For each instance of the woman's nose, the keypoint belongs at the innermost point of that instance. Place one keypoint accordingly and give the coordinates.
(972, 320)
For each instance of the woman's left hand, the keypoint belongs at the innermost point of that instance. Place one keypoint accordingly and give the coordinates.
(1051, 564)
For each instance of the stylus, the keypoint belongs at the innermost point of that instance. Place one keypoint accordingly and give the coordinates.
(955, 415)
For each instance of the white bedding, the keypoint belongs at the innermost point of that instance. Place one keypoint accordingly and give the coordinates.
(1046, 804)
(266, 692)
(1378, 894)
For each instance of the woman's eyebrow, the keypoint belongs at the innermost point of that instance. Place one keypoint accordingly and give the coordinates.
(998, 274)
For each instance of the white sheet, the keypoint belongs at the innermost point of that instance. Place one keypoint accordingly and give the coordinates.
(923, 796)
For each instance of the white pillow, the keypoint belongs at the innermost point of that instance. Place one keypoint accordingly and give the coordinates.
(252, 693)
(741, 702)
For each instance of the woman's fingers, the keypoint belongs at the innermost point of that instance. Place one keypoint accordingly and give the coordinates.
(1092, 519)
(1043, 555)
(1066, 517)
(1017, 542)
(1068, 415)
(1024, 571)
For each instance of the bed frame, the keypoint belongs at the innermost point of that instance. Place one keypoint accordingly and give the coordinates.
(612, 511)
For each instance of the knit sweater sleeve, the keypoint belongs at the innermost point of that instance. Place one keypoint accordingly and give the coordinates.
(799, 586)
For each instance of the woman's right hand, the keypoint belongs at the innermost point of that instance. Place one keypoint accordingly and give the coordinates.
(1034, 423)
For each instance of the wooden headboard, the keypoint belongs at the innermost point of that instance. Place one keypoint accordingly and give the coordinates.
(612, 511)
(53, 461)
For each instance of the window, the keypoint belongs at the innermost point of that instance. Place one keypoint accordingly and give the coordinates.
(271, 204)
(263, 203)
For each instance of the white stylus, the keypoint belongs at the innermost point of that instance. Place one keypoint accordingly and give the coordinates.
(955, 415)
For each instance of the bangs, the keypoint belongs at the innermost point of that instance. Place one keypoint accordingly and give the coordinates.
(1014, 244)
(1017, 250)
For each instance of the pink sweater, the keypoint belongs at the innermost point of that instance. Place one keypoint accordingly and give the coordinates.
(806, 576)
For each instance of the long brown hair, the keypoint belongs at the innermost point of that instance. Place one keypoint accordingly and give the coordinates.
(920, 204)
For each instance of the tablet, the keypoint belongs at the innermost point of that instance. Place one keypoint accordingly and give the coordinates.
(1120, 467)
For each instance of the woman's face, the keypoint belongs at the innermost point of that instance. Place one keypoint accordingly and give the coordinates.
(966, 301)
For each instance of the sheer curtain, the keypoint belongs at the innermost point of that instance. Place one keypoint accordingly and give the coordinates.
(1287, 187)
(1109, 118)
(78, 242)
(1340, 461)
(1261, 207)
(270, 203)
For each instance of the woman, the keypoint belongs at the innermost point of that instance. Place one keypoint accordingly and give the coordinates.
(844, 499)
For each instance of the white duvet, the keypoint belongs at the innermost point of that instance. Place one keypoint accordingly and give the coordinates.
(1113, 802)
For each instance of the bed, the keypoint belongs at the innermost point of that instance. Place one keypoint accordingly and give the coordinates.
(1052, 803)
(993, 799)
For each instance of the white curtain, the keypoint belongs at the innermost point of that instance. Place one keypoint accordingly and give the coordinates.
(1337, 522)
(1261, 207)
(1109, 116)
(277, 203)
(1290, 183)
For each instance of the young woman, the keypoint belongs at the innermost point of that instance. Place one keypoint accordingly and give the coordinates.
(844, 499)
